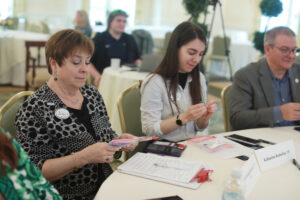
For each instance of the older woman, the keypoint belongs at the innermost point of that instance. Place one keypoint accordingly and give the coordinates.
(173, 104)
(64, 125)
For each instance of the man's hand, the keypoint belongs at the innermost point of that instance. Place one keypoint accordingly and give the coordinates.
(290, 111)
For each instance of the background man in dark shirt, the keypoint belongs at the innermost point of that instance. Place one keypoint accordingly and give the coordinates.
(266, 93)
(113, 43)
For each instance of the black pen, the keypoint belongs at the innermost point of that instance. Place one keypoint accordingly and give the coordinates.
(296, 163)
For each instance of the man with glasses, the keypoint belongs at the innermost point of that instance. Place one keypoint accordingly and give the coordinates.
(113, 43)
(267, 93)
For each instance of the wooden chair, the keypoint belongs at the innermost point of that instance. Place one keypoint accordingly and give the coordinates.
(225, 101)
(9, 110)
(129, 103)
(36, 72)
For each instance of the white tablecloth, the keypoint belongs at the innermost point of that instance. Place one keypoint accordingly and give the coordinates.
(278, 183)
(13, 55)
(112, 83)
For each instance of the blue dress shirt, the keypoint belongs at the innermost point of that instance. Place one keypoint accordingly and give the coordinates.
(282, 95)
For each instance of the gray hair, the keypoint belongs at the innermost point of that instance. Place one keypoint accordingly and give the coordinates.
(270, 35)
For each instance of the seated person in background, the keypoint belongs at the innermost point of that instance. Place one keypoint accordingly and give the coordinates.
(173, 97)
(264, 94)
(64, 125)
(113, 43)
(83, 23)
(19, 178)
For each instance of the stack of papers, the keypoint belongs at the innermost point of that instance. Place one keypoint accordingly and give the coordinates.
(166, 169)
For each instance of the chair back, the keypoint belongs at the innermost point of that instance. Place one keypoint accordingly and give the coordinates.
(144, 41)
(219, 46)
(129, 103)
(225, 107)
(35, 76)
(9, 110)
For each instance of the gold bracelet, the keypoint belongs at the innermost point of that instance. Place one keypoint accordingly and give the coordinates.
(75, 160)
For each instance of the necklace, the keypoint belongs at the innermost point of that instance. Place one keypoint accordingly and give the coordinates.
(57, 91)
(72, 101)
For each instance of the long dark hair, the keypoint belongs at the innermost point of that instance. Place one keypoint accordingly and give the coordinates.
(169, 66)
(8, 154)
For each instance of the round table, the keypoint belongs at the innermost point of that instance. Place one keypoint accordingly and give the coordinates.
(113, 83)
(278, 183)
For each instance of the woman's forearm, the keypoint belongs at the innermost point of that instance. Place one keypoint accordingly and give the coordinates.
(56, 168)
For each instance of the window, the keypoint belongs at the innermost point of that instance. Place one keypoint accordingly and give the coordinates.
(99, 10)
(6, 9)
(289, 16)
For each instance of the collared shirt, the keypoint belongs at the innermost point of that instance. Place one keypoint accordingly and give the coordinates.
(115, 48)
(155, 107)
(282, 95)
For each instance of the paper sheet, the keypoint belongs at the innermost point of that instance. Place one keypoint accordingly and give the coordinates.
(166, 169)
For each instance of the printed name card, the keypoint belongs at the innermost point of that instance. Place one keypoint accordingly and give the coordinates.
(250, 174)
(275, 155)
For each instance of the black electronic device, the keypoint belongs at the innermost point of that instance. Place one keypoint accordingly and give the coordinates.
(247, 144)
(165, 148)
(244, 138)
(175, 197)
(297, 128)
(249, 140)
(243, 157)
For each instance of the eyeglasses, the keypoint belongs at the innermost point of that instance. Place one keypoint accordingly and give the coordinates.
(287, 51)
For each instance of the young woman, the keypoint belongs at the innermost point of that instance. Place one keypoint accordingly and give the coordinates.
(173, 104)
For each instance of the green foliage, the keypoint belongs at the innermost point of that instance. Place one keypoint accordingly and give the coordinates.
(271, 8)
(259, 41)
(195, 7)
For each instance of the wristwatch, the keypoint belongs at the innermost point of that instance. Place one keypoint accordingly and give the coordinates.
(178, 121)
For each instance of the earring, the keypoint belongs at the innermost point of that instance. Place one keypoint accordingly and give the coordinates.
(55, 78)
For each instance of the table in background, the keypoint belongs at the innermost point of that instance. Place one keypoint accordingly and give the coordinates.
(112, 84)
(13, 55)
(278, 183)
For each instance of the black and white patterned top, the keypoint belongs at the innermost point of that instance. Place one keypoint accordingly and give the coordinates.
(44, 136)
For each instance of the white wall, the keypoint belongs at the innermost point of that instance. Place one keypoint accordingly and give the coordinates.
(57, 13)
(240, 15)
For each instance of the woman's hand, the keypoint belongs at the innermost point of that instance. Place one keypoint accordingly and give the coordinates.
(130, 147)
(211, 109)
(99, 152)
(193, 113)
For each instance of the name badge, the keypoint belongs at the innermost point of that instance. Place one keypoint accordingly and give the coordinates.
(62, 113)
(275, 155)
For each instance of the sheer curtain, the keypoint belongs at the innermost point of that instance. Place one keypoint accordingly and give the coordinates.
(6, 9)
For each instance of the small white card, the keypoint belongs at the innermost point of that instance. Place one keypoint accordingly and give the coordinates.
(275, 155)
(250, 174)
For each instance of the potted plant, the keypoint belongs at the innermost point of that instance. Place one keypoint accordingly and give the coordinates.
(269, 8)
(195, 8)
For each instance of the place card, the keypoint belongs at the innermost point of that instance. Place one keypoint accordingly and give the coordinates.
(275, 155)
(250, 174)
